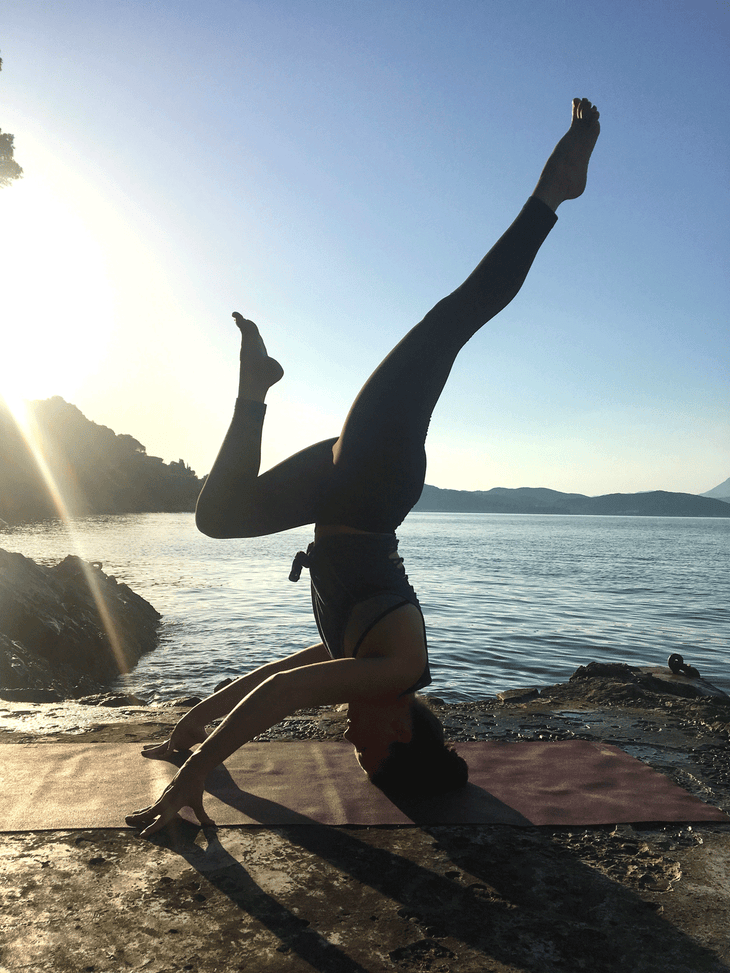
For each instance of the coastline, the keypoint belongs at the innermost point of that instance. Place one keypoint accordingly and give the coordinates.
(425, 898)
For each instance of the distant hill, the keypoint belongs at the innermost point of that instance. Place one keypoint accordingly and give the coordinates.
(528, 500)
(97, 471)
(93, 469)
(721, 492)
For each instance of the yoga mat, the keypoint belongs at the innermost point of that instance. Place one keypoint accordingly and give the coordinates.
(574, 782)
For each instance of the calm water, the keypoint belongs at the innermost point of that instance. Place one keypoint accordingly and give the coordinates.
(510, 600)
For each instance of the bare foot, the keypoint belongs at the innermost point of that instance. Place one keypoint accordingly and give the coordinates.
(565, 172)
(258, 371)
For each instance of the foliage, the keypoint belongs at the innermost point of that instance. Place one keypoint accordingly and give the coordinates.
(93, 470)
(9, 168)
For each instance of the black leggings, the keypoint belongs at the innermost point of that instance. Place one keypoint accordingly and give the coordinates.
(372, 475)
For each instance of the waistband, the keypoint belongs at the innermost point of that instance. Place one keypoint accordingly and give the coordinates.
(357, 545)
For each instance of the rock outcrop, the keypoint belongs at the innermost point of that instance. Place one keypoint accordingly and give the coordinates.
(67, 631)
(95, 470)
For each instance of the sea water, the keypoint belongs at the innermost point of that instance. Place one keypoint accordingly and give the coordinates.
(509, 600)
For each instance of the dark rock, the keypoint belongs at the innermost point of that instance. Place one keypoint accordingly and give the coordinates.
(518, 695)
(70, 628)
(606, 670)
(112, 699)
(650, 680)
(23, 671)
(184, 701)
(425, 950)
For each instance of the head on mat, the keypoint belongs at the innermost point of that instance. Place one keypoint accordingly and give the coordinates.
(400, 745)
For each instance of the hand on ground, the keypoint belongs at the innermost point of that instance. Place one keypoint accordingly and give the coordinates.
(184, 790)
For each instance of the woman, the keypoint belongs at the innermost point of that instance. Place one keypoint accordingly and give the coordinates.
(357, 489)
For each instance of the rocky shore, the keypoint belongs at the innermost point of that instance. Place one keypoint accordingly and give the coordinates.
(471, 899)
(69, 630)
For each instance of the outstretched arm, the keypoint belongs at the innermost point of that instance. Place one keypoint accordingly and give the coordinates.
(191, 729)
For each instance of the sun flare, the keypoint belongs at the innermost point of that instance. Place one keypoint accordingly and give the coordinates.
(55, 286)
(27, 427)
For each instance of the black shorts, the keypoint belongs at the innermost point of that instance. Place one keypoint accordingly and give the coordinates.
(357, 579)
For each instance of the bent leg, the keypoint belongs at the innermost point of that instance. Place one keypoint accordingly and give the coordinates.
(235, 501)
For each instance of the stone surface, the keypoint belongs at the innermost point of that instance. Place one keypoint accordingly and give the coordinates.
(466, 900)
(382, 900)
(69, 629)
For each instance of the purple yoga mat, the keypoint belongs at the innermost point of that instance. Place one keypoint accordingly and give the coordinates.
(60, 786)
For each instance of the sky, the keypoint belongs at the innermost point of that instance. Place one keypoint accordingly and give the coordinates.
(331, 170)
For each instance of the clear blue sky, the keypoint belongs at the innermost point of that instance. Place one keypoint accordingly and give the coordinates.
(333, 169)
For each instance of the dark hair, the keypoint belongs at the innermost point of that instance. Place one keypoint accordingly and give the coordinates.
(424, 767)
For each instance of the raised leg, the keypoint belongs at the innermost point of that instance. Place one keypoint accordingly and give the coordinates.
(380, 457)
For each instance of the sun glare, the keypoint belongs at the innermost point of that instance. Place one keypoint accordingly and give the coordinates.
(55, 306)
(24, 420)
(55, 287)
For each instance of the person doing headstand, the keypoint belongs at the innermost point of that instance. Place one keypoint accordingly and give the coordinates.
(357, 489)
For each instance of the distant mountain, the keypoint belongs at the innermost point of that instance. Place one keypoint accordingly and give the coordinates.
(721, 492)
(528, 500)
